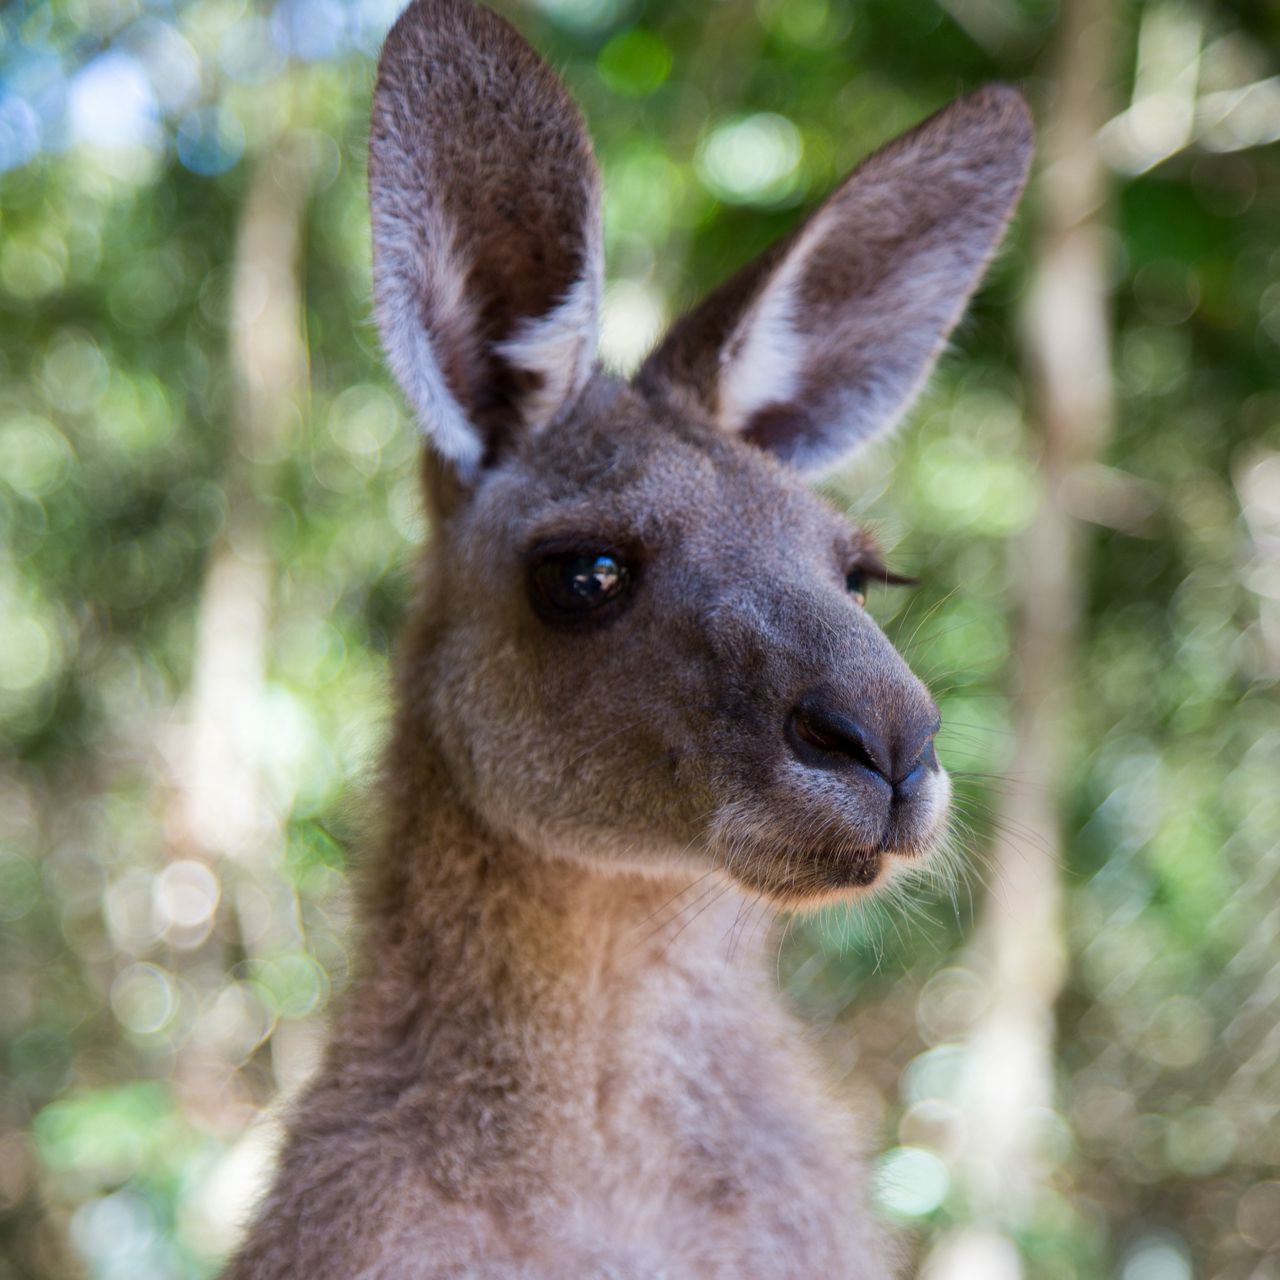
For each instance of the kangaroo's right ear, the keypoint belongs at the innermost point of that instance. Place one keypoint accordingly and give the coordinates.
(486, 230)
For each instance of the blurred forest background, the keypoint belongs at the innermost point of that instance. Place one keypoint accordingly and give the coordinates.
(1070, 1062)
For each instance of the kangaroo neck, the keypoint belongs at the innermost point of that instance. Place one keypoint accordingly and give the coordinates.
(472, 941)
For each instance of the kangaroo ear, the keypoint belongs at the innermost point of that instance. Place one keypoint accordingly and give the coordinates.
(486, 230)
(824, 341)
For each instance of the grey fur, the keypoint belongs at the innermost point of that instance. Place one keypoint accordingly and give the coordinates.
(561, 1056)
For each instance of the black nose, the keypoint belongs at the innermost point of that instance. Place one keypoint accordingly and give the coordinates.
(898, 749)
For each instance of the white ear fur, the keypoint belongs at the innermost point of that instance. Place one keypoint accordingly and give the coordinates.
(762, 360)
(408, 345)
(560, 347)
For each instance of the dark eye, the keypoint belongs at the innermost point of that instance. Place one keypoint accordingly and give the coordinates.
(576, 583)
(856, 579)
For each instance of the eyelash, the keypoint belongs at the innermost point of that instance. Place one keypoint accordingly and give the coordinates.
(856, 580)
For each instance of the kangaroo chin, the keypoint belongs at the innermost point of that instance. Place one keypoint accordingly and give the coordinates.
(639, 691)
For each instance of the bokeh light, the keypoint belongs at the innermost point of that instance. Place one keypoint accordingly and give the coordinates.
(209, 505)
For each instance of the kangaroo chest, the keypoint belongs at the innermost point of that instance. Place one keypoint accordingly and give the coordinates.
(701, 1157)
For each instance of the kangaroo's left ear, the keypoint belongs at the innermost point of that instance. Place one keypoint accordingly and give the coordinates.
(824, 341)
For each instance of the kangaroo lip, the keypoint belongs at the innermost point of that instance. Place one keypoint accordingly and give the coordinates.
(839, 865)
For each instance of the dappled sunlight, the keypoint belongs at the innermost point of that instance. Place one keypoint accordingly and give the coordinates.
(209, 500)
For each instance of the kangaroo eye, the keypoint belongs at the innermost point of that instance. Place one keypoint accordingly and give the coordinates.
(573, 584)
(856, 583)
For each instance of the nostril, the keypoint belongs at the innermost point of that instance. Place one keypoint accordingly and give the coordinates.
(828, 739)
(920, 760)
(924, 763)
(825, 737)
(906, 788)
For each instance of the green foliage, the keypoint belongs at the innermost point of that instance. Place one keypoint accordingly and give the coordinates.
(156, 987)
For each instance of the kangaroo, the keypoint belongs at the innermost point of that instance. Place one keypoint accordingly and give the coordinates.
(639, 694)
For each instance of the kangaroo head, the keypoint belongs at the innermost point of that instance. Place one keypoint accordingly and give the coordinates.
(643, 640)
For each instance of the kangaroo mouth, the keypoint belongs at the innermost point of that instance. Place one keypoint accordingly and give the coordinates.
(837, 868)
(813, 873)
(804, 841)
(843, 855)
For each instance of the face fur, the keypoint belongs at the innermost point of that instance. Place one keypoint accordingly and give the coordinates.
(644, 641)
(712, 693)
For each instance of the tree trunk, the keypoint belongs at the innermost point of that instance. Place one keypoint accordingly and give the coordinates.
(1019, 950)
(225, 814)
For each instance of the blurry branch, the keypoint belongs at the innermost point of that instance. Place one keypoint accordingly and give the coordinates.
(726, 50)
(1170, 109)
(719, 61)
(1258, 484)
(1160, 119)
(998, 26)
(1019, 948)
(226, 810)
(1113, 499)
(1229, 120)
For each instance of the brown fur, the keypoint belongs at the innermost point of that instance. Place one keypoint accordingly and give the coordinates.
(555, 1061)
